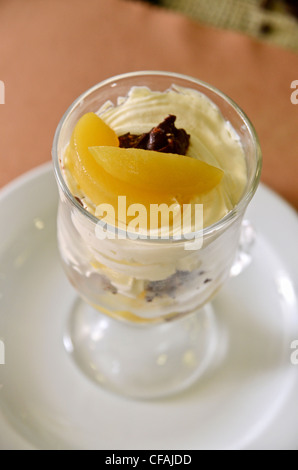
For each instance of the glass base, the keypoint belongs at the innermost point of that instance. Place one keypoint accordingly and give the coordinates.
(142, 360)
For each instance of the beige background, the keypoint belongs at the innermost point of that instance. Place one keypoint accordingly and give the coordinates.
(52, 50)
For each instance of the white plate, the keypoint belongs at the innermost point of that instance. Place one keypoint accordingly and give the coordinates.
(249, 401)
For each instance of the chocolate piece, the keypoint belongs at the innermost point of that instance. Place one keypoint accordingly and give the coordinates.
(133, 141)
(163, 138)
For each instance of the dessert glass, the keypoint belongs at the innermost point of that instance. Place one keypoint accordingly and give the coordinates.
(157, 334)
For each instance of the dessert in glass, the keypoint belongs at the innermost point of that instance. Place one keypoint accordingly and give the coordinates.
(155, 171)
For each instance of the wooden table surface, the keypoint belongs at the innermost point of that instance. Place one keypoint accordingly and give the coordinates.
(52, 50)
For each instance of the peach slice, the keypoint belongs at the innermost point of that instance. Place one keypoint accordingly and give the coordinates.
(177, 176)
(89, 130)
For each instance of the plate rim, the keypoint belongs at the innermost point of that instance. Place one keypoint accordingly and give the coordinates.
(13, 439)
